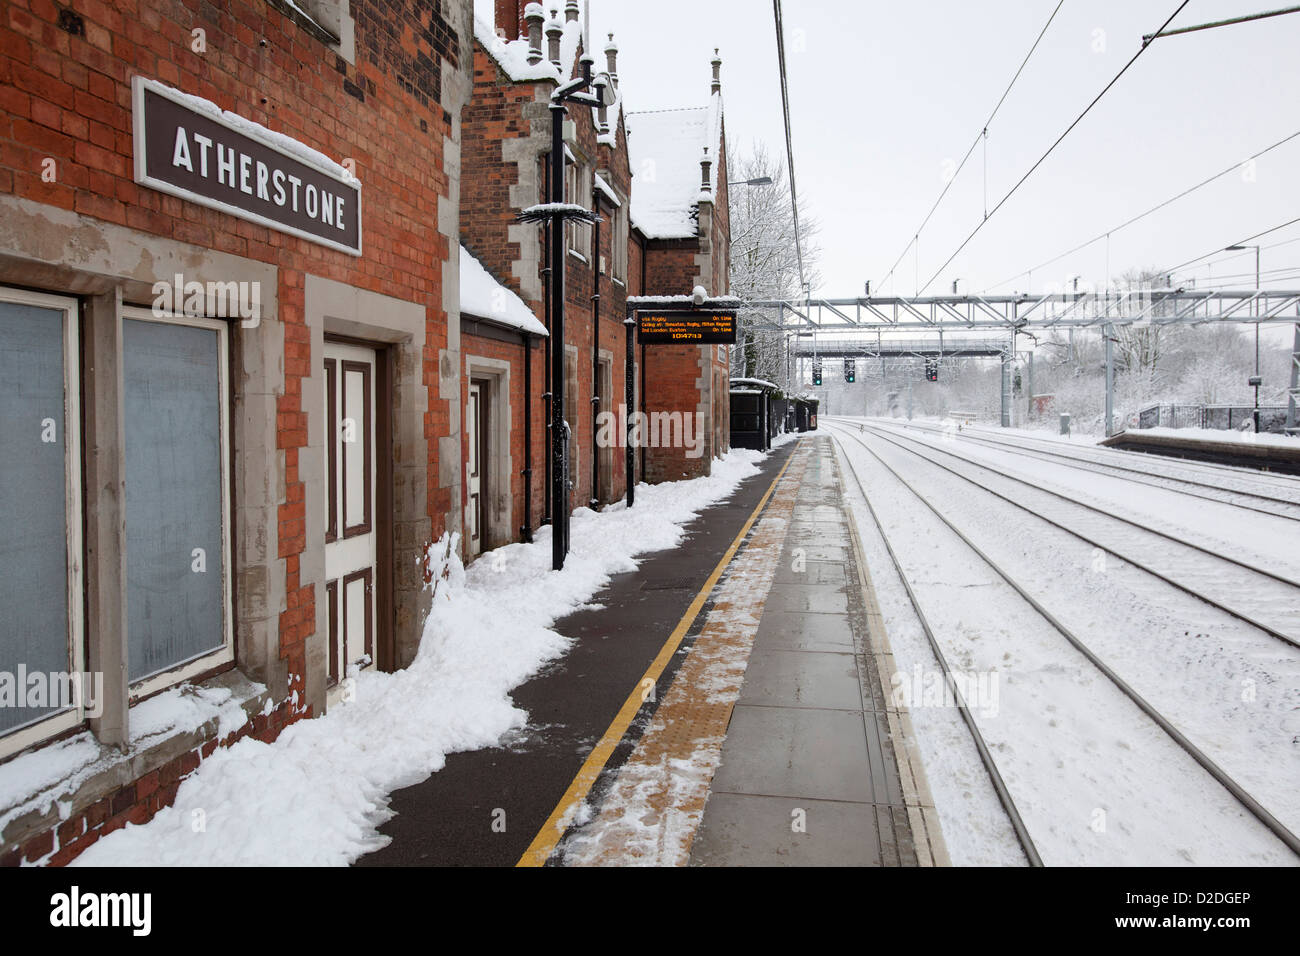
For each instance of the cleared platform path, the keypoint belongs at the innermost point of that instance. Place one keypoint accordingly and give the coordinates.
(723, 705)
(817, 767)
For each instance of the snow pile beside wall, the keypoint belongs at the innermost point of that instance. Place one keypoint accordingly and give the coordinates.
(318, 794)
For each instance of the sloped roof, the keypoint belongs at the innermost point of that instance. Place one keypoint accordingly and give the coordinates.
(484, 297)
(665, 148)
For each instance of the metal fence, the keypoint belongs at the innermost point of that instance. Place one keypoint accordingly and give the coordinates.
(1272, 418)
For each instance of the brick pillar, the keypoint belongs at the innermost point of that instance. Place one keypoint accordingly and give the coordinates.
(510, 17)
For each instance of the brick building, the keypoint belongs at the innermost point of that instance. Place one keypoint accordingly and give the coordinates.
(229, 375)
(269, 327)
(681, 237)
(518, 62)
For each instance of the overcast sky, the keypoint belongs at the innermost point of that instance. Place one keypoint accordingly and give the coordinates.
(887, 96)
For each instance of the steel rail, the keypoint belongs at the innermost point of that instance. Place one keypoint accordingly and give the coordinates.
(1091, 464)
(1265, 479)
(1108, 514)
(995, 776)
(1186, 589)
(1253, 806)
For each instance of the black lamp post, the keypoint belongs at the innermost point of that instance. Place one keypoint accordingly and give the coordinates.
(558, 213)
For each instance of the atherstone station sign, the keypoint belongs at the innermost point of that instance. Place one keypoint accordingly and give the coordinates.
(186, 149)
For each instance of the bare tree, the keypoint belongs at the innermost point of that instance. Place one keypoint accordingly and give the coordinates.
(764, 261)
(1139, 348)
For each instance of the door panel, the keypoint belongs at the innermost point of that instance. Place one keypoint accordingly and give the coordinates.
(350, 540)
(474, 469)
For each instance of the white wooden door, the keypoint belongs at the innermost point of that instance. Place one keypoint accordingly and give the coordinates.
(474, 412)
(350, 538)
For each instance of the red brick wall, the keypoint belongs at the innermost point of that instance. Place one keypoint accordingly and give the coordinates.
(66, 96)
(496, 114)
(140, 800)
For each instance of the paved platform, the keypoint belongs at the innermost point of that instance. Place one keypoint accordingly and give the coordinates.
(722, 706)
(451, 819)
(816, 768)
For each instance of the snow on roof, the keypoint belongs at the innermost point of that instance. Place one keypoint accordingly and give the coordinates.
(671, 144)
(512, 55)
(719, 301)
(755, 381)
(484, 297)
(607, 191)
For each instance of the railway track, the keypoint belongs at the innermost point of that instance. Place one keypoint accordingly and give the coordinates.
(1277, 593)
(1284, 504)
(1221, 777)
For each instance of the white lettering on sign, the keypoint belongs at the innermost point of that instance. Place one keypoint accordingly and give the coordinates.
(187, 148)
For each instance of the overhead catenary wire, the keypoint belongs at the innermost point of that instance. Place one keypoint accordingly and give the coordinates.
(1051, 149)
(981, 135)
(1156, 208)
(789, 139)
(1220, 23)
(1241, 255)
(1221, 248)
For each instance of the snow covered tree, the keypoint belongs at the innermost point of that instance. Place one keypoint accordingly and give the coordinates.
(764, 261)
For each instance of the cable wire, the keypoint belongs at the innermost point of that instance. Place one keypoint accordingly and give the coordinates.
(789, 140)
(1239, 242)
(1077, 120)
(982, 135)
(1156, 208)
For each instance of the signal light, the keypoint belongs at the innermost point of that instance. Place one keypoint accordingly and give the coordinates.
(817, 374)
(932, 370)
(850, 374)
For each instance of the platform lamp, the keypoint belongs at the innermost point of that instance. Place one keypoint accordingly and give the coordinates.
(1255, 380)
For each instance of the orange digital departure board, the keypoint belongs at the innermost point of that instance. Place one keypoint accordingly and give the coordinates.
(686, 328)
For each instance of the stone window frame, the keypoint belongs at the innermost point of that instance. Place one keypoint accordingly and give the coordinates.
(579, 181)
(20, 738)
(108, 267)
(329, 21)
(500, 506)
(186, 670)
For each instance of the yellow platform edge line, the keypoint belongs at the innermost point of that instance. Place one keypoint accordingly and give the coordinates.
(548, 837)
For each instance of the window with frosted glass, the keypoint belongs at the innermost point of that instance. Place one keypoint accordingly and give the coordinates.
(35, 636)
(176, 605)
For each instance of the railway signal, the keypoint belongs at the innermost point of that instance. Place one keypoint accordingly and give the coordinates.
(932, 370)
(817, 373)
(850, 374)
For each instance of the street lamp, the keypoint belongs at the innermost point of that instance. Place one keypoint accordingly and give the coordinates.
(759, 181)
(1255, 379)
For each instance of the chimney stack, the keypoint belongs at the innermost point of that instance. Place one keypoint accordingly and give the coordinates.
(554, 30)
(717, 71)
(611, 58)
(705, 165)
(510, 18)
(534, 16)
(571, 11)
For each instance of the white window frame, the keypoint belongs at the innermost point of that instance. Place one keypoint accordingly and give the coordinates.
(578, 184)
(619, 242)
(56, 723)
(226, 653)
